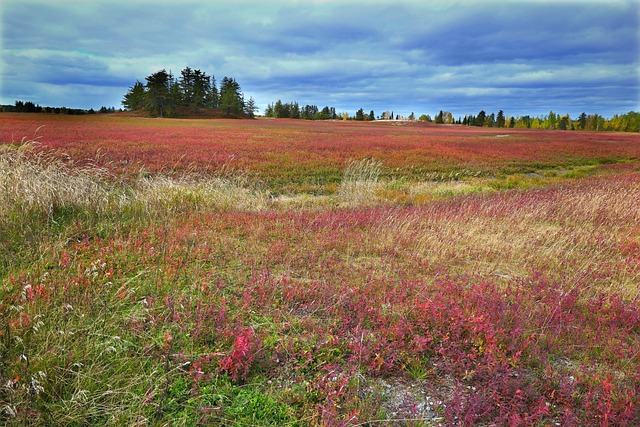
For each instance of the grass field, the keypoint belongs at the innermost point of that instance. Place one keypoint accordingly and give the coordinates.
(274, 272)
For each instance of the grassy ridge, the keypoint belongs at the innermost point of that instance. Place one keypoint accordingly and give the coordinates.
(183, 299)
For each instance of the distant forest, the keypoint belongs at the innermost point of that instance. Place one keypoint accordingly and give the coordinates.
(629, 122)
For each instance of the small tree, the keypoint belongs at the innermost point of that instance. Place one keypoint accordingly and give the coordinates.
(134, 99)
(481, 118)
(231, 98)
(500, 121)
(582, 121)
(250, 107)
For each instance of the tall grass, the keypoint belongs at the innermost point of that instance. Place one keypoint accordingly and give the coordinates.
(360, 182)
(34, 181)
(41, 182)
(195, 192)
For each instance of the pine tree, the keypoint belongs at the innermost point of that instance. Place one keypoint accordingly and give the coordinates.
(500, 121)
(481, 118)
(214, 96)
(134, 99)
(231, 98)
(157, 95)
(250, 107)
(582, 120)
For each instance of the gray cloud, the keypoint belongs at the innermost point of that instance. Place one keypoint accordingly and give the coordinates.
(525, 57)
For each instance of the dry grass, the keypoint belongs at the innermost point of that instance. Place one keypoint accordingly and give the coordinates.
(32, 180)
(200, 192)
(360, 183)
(574, 231)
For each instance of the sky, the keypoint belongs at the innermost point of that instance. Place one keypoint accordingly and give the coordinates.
(522, 57)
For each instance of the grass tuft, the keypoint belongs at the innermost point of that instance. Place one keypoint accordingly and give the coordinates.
(360, 182)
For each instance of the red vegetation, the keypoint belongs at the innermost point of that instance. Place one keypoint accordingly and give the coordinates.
(291, 149)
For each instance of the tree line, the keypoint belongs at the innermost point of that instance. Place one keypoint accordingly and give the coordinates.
(32, 107)
(629, 122)
(292, 110)
(164, 95)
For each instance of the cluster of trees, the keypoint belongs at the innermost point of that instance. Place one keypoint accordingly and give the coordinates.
(164, 95)
(32, 107)
(292, 110)
(364, 117)
(629, 122)
(371, 116)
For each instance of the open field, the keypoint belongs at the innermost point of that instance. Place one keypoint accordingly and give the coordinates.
(295, 156)
(316, 273)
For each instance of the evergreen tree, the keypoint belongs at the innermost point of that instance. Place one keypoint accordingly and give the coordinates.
(279, 110)
(231, 98)
(268, 112)
(309, 112)
(372, 115)
(250, 107)
(157, 94)
(582, 120)
(481, 118)
(214, 96)
(201, 89)
(186, 86)
(175, 94)
(491, 120)
(295, 110)
(325, 113)
(134, 99)
(500, 121)
(564, 123)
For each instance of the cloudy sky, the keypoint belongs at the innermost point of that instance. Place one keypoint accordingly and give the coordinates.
(524, 57)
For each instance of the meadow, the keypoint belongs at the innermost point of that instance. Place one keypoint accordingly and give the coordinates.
(283, 272)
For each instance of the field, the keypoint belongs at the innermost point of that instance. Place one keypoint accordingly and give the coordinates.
(276, 272)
